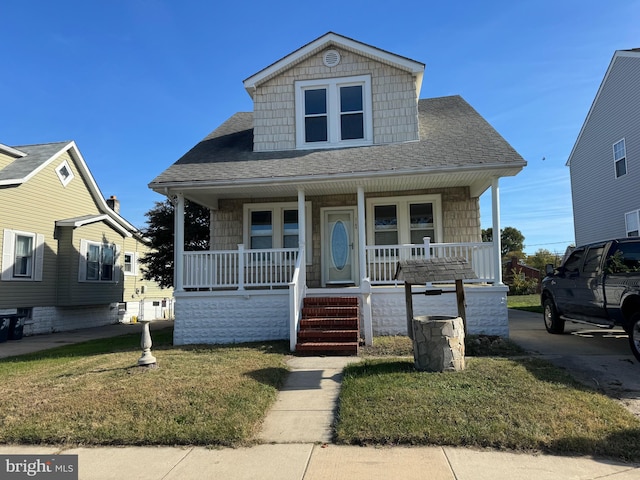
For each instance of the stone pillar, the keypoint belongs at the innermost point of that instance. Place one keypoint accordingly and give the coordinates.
(438, 343)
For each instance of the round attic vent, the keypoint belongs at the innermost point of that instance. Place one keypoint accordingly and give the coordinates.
(331, 58)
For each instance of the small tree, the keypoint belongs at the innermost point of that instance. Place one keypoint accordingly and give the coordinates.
(158, 264)
(541, 258)
(511, 239)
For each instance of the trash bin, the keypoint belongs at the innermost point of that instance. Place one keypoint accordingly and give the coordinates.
(4, 328)
(16, 327)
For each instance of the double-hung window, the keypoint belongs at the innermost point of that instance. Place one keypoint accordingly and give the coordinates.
(22, 256)
(620, 158)
(404, 220)
(334, 112)
(130, 264)
(275, 226)
(98, 262)
(632, 223)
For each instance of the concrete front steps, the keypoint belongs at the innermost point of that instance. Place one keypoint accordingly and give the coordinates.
(329, 326)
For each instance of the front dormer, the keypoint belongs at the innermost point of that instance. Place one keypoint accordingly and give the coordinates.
(332, 93)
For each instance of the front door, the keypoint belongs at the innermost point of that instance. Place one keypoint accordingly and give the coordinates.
(339, 246)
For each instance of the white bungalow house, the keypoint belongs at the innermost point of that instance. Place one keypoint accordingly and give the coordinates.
(340, 171)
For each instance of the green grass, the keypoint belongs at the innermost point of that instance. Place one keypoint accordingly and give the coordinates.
(94, 393)
(530, 303)
(521, 404)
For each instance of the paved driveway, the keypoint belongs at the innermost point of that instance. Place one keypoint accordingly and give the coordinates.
(598, 357)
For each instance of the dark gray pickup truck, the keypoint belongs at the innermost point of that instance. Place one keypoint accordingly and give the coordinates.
(599, 284)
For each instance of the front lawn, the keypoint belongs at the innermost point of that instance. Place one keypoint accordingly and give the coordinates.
(94, 393)
(504, 403)
(529, 303)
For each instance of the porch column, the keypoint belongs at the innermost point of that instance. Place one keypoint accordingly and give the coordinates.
(362, 236)
(302, 222)
(497, 246)
(178, 246)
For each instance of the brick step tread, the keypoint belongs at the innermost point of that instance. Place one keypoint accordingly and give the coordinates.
(328, 335)
(330, 311)
(328, 347)
(329, 323)
(331, 301)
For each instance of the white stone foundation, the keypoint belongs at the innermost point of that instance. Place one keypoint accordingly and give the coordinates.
(60, 319)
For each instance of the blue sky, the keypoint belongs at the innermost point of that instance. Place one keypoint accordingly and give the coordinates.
(137, 83)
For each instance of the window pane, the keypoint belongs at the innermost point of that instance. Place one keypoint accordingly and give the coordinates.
(417, 236)
(261, 223)
(421, 214)
(261, 229)
(351, 99)
(128, 263)
(633, 226)
(592, 261)
(93, 262)
(315, 129)
(23, 256)
(261, 242)
(107, 263)
(352, 126)
(290, 234)
(619, 150)
(621, 167)
(386, 217)
(386, 238)
(315, 102)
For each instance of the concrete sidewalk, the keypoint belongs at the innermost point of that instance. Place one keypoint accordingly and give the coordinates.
(296, 440)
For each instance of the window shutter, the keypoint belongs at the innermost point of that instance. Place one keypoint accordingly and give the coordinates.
(82, 269)
(39, 260)
(7, 254)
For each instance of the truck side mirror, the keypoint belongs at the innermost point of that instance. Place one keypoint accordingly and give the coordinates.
(549, 269)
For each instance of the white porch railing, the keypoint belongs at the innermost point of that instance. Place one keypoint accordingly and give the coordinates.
(382, 260)
(267, 268)
(297, 292)
(216, 269)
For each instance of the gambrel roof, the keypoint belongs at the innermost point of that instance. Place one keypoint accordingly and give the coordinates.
(454, 139)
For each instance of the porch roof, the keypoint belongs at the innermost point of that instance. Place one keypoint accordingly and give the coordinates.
(437, 269)
(457, 147)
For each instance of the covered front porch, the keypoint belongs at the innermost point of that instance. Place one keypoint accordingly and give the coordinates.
(255, 294)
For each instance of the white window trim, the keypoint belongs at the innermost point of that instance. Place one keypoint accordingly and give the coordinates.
(402, 209)
(82, 269)
(8, 256)
(333, 112)
(63, 180)
(134, 264)
(277, 210)
(624, 157)
(626, 223)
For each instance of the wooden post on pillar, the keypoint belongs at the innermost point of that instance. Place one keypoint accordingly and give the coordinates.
(462, 313)
(409, 306)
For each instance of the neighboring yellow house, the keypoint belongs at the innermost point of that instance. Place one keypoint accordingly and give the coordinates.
(69, 260)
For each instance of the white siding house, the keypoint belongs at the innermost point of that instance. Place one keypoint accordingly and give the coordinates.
(339, 172)
(605, 160)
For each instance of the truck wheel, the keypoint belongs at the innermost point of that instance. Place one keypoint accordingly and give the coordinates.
(634, 335)
(552, 321)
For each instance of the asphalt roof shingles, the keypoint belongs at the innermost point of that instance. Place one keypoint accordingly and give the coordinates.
(452, 135)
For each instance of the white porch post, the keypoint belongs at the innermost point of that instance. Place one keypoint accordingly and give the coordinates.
(497, 246)
(178, 239)
(365, 282)
(302, 224)
(362, 236)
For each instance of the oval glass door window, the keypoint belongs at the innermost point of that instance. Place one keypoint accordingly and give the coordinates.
(339, 245)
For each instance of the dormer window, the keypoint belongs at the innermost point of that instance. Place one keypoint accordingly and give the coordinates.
(334, 112)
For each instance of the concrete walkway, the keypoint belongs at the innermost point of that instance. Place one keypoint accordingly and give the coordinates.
(297, 434)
